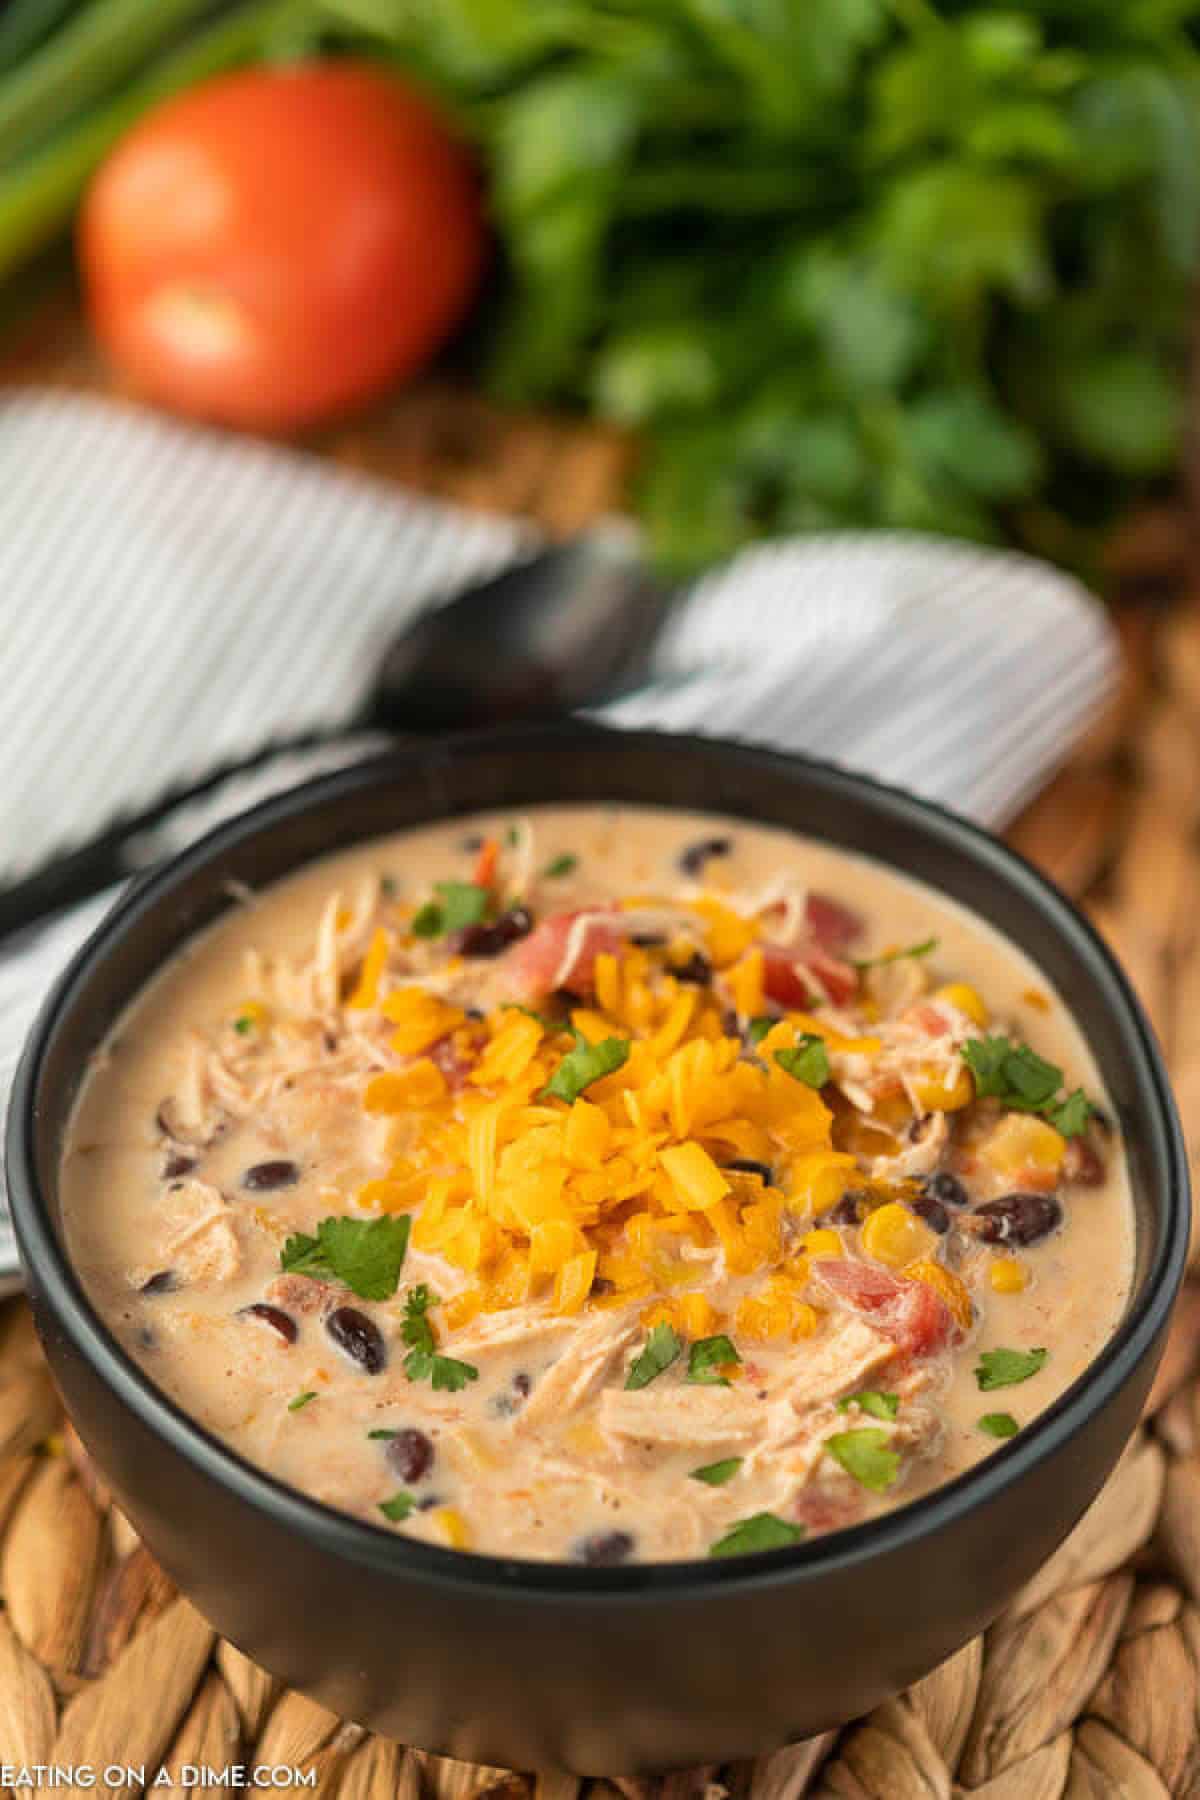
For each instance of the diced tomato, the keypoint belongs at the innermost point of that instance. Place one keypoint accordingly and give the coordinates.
(786, 977)
(484, 874)
(828, 1509)
(831, 925)
(909, 1312)
(535, 965)
(927, 1019)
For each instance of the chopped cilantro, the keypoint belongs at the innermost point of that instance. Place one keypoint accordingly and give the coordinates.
(512, 837)
(660, 1350)
(367, 1254)
(708, 1357)
(243, 1025)
(427, 921)
(387, 886)
(302, 1399)
(423, 1363)
(880, 1406)
(999, 1425)
(808, 1061)
(1019, 1078)
(926, 948)
(398, 1507)
(583, 1065)
(382, 1431)
(867, 1455)
(1004, 1368)
(761, 1531)
(716, 1474)
(566, 864)
(458, 903)
(758, 1028)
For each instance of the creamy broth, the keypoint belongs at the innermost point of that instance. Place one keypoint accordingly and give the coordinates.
(750, 1283)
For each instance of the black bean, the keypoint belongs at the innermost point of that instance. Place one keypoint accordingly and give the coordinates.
(476, 1013)
(849, 1209)
(410, 1454)
(693, 859)
(604, 1549)
(361, 1340)
(696, 971)
(490, 940)
(1083, 1165)
(429, 1501)
(177, 1164)
(601, 1285)
(147, 1339)
(1019, 1218)
(274, 1316)
(164, 1281)
(929, 1207)
(261, 1177)
(647, 940)
(567, 998)
(522, 1384)
(947, 1188)
(746, 1165)
(505, 1404)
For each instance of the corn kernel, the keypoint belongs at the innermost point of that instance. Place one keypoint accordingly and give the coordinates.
(453, 1527)
(934, 1094)
(1008, 1276)
(823, 1242)
(895, 1236)
(805, 1320)
(945, 1282)
(965, 999)
(1024, 1150)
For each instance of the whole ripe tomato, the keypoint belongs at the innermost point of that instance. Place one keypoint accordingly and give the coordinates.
(278, 244)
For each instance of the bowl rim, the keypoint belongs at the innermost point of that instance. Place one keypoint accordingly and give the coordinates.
(365, 1544)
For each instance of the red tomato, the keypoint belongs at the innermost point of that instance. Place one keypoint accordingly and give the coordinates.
(277, 244)
(909, 1312)
(831, 925)
(536, 964)
(785, 971)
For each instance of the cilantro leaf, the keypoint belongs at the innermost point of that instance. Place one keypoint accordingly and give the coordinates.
(890, 956)
(423, 1362)
(1004, 1368)
(758, 1028)
(880, 1406)
(660, 1350)
(366, 1254)
(583, 1065)
(458, 903)
(382, 1431)
(561, 865)
(707, 1358)
(243, 1025)
(808, 1061)
(999, 1425)
(1019, 1078)
(761, 1531)
(867, 1455)
(398, 1507)
(716, 1474)
(302, 1400)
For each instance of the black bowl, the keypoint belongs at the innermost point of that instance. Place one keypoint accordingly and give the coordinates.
(540, 1664)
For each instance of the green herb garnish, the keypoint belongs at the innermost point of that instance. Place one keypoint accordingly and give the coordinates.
(382, 1431)
(387, 886)
(302, 1399)
(716, 1474)
(398, 1507)
(808, 1061)
(566, 864)
(243, 1025)
(761, 1531)
(758, 1028)
(999, 1425)
(891, 956)
(512, 837)
(458, 904)
(708, 1357)
(423, 1363)
(880, 1406)
(1021, 1079)
(660, 1350)
(867, 1455)
(583, 1065)
(1004, 1368)
(367, 1254)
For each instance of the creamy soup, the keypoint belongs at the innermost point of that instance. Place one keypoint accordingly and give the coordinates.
(602, 1184)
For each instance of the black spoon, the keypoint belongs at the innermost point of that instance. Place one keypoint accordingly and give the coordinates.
(570, 626)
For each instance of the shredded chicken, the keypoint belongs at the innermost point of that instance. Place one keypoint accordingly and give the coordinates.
(919, 1157)
(839, 1360)
(579, 1371)
(700, 1418)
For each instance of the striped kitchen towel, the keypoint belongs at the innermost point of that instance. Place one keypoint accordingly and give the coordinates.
(172, 599)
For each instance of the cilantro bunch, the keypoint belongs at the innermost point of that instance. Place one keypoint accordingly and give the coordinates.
(840, 261)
